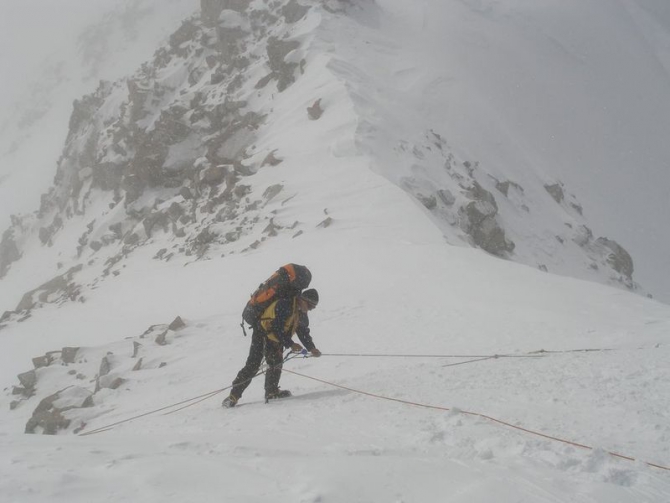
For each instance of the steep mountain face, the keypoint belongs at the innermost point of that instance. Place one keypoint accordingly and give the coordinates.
(204, 151)
(59, 52)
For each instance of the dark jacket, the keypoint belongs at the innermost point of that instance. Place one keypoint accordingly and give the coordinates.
(282, 319)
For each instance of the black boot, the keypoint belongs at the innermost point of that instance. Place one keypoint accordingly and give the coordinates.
(278, 393)
(230, 401)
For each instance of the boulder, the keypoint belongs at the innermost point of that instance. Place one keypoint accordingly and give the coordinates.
(315, 111)
(136, 348)
(28, 379)
(293, 11)
(556, 191)
(176, 324)
(479, 221)
(41, 361)
(48, 415)
(617, 257)
(69, 354)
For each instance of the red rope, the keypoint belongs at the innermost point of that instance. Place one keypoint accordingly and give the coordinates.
(477, 414)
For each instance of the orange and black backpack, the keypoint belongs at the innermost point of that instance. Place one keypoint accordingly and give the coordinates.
(287, 281)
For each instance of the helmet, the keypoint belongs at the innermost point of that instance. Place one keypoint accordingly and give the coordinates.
(311, 296)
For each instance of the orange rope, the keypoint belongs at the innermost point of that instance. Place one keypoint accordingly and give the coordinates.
(477, 414)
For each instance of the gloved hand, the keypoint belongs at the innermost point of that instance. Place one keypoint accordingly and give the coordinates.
(296, 348)
(315, 353)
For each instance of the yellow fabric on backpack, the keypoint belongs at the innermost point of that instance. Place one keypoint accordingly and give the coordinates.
(269, 315)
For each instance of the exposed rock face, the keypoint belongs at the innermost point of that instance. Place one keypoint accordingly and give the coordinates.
(315, 111)
(618, 258)
(9, 251)
(480, 222)
(294, 11)
(556, 191)
(493, 213)
(168, 148)
(48, 416)
(177, 324)
(28, 380)
(62, 287)
(69, 354)
(170, 153)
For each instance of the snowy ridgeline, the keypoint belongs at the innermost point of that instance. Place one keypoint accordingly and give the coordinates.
(210, 149)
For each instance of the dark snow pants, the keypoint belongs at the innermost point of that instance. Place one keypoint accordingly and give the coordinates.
(260, 345)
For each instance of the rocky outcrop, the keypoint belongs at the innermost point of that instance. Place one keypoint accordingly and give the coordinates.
(282, 70)
(9, 251)
(66, 400)
(169, 148)
(556, 192)
(480, 223)
(48, 416)
(618, 258)
(315, 111)
(60, 288)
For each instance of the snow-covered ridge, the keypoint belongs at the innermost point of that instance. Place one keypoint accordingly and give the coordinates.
(183, 156)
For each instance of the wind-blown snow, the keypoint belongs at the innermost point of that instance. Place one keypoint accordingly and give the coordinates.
(389, 284)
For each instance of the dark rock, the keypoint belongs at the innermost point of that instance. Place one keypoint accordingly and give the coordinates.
(429, 202)
(446, 197)
(116, 383)
(41, 361)
(272, 191)
(28, 379)
(479, 221)
(49, 413)
(136, 348)
(618, 258)
(315, 111)
(326, 223)
(293, 11)
(213, 175)
(105, 366)
(160, 338)
(176, 324)
(131, 239)
(9, 251)
(186, 193)
(271, 159)
(277, 50)
(60, 284)
(556, 191)
(69, 354)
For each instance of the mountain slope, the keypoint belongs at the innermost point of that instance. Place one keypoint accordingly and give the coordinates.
(257, 137)
(337, 445)
(56, 53)
(183, 157)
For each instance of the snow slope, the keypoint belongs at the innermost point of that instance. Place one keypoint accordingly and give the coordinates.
(546, 90)
(329, 444)
(389, 284)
